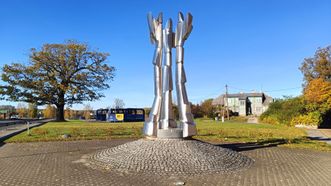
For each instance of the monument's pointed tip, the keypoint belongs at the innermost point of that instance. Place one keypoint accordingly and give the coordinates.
(150, 18)
(169, 23)
(189, 16)
(180, 17)
(160, 17)
(189, 19)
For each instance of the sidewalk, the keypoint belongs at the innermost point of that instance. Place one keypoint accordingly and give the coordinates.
(320, 134)
(12, 130)
(60, 163)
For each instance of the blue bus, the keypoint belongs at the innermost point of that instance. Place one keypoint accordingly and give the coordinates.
(121, 115)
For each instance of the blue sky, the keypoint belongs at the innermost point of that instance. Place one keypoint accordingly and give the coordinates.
(247, 44)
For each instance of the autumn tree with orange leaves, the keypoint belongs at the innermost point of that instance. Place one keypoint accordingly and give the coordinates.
(317, 84)
(318, 95)
(318, 66)
(317, 80)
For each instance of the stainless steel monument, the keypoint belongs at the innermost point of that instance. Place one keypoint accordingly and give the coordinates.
(161, 122)
(175, 156)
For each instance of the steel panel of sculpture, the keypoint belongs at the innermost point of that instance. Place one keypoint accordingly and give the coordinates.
(161, 118)
(167, 114)
(156, 32)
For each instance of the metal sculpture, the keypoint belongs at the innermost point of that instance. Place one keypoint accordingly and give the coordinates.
(161, 118)
(183, 30)
(167, 114)
(155, 29)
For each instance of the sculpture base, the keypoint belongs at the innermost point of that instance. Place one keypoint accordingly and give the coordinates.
(189, 129)
(149, 128)
(168, 157)
(184, 130)
(170, 133)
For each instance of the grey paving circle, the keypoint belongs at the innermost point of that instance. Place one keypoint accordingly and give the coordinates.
(168, 157)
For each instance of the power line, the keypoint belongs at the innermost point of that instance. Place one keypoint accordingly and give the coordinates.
(240, 88)
(205, 96)
(283, 89)
(277, 90)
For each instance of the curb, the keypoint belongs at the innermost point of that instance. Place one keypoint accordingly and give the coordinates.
(4, 137)
(315, 134)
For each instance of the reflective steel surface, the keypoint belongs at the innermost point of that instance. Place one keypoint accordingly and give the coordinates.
(161, 116)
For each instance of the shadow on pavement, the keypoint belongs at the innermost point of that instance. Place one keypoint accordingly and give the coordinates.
(319, 138)
(252, 146)
(2, 143)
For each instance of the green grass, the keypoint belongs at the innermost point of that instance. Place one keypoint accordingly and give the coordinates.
(80, 130)
(208, 130)
(259, 134)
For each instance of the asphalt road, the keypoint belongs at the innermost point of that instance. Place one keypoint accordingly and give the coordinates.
(12, 124)
(18, 121)
(12, 127)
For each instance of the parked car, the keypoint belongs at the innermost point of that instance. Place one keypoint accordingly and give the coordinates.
(14, 117)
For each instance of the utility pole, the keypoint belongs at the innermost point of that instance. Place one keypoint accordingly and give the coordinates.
(227, 103)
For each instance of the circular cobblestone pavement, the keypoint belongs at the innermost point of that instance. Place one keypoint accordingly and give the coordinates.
(168, 157)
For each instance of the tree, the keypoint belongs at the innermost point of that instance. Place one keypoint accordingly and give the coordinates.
(58, 74)
(74, 114)
(118, 103)
(207, 108)
(318, 66)
(317, 81)
(32, 110)
(196, 111)
(67, 113)
(87, 111)
(318, 95)
(50, 111)
(175, 109)
(22, 110)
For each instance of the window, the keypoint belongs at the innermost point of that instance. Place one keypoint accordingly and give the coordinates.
(258, 100)
(140, 112)
(258, 109)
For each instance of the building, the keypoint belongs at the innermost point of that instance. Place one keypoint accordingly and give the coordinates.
(6, 111)
(244, 104)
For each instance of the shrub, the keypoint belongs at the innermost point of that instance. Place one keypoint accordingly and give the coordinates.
(312, 118)
(239, 118)
(284, 110)
(270, 119)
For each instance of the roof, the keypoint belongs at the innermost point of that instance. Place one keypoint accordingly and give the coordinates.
(219, 100)
(242, 96)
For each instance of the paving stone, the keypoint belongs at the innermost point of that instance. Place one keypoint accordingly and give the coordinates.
(169, 157)
(59, 163)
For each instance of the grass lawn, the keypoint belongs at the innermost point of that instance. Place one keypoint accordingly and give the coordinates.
(80, 130)
(260, 134)
(208, 130)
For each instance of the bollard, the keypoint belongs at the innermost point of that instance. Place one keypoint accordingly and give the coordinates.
(28, 128)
